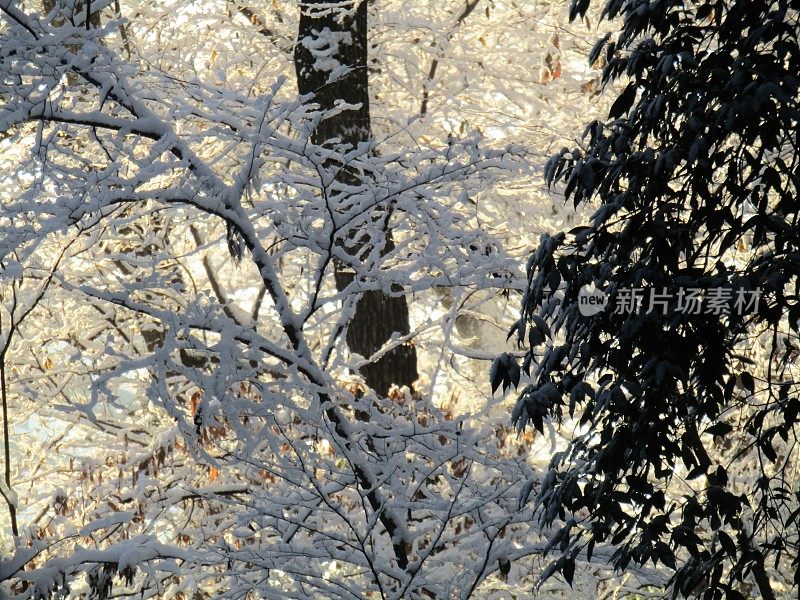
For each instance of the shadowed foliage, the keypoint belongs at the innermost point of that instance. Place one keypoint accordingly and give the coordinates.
(696, 177)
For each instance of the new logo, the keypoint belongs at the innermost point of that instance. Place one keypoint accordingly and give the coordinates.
(591, 300)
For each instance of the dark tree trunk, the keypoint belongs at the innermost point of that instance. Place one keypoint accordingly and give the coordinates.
(78, 15)
(78, 11)
(378, 315)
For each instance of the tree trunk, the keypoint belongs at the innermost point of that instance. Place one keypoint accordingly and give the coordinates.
(377, 315)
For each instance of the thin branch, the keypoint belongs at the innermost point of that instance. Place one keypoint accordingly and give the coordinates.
(423, 109)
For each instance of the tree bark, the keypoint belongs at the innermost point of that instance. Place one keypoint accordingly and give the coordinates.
(377, 315)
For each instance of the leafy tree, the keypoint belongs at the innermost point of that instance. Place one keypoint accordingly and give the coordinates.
(685, 422)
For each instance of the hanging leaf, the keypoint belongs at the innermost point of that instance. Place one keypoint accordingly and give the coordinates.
(623, 102)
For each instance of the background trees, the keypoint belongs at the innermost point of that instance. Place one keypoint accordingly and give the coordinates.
(685, 451)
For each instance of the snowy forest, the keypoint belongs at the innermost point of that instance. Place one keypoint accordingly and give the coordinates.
(385, 299)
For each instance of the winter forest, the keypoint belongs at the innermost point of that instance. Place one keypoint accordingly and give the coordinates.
(385, 299)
